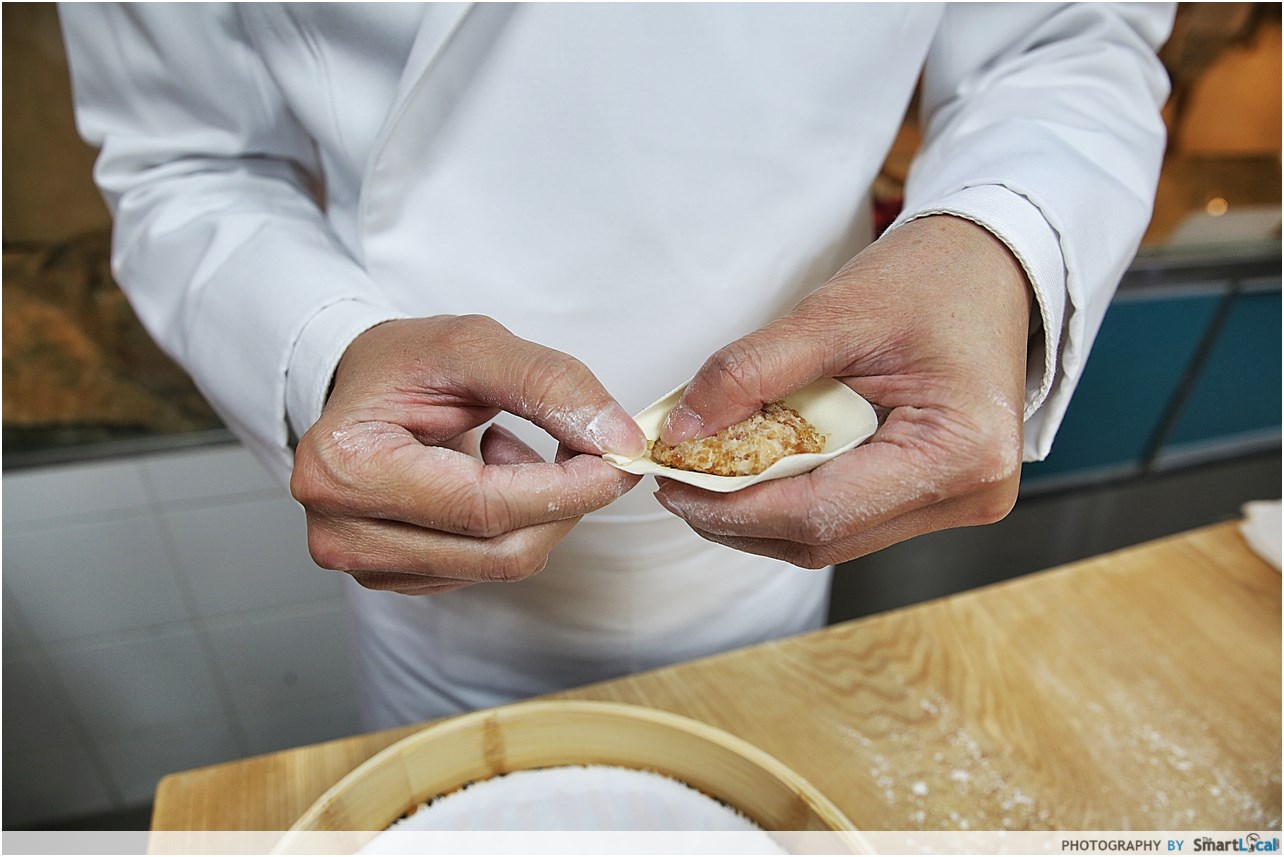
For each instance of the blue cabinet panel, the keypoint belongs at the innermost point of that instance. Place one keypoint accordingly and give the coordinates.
(1144, 348)
(1237, 390)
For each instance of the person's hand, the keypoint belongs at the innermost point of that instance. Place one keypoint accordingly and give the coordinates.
(400, 493)
(930, 324)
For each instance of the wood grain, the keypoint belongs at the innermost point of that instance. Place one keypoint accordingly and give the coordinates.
(1137, 690)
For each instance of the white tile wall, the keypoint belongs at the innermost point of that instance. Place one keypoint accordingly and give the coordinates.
(93, 577)
(284, 661)
(49, 783)
(35, 715)
(139, 684)
(160, 613)
(17, 631)
(138, 762)
(201, 474)
(69, 490)
(271, 729)
(248, 555)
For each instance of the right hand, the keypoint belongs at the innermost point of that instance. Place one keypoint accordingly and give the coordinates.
(394, 497)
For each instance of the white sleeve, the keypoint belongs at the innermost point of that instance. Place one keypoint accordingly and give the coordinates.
(219, 242)
(1042, 124)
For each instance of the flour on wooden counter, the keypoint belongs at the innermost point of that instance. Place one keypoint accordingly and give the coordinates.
(942, 778)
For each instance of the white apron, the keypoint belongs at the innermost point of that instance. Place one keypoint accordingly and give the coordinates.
(617, 597)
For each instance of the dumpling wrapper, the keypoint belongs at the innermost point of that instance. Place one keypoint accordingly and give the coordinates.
(839, 413)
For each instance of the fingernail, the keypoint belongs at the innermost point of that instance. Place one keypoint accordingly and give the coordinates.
(681, 424)
(614, 431)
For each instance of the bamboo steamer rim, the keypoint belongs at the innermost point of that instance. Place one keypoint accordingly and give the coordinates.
(313, 819)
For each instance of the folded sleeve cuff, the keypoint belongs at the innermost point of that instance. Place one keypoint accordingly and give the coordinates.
(316, 353)
(1018, 223)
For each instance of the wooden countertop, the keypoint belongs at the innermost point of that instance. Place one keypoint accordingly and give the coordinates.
(1138, 690)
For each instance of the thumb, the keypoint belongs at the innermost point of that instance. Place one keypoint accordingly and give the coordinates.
(741, 377)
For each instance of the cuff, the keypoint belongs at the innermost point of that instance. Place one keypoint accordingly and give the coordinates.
(1018, 223)
(315, 355)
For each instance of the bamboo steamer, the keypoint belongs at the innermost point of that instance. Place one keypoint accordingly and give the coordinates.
(522, 736)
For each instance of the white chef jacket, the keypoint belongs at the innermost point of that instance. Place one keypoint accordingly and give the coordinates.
(283, 177)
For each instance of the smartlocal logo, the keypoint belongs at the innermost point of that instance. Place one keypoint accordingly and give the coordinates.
(1252, 843)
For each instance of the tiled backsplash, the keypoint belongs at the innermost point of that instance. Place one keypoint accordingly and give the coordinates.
(160, 613)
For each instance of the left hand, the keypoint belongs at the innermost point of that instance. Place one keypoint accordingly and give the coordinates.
(930, 324)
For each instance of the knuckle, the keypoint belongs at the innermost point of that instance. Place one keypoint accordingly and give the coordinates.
(476, 323)
(994, 448)
(475, 514)
(992, 478)
(993, 505)
(810, 557)
(368, 581)
(740, 365)
(512, 564)
(554, 369)
(996, 463)
(801, 556)
(323, 477)
(967, 445)
(330, 551)
(473, 330)
(307, 485)
(379, 581)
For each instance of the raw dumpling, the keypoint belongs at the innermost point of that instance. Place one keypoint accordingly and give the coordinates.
(841, 417)
(746, 448)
